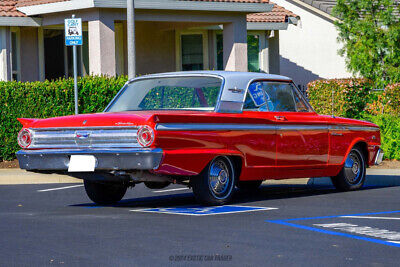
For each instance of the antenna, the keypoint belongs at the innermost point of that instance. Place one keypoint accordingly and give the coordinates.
(333, 99)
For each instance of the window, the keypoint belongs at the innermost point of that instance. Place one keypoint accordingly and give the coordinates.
(253, 52)
(15, 57)
(274, 96)
(172, 93)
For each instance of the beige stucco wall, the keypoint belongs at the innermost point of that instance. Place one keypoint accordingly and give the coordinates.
(155, 48)
(310, 52)
(29, 51)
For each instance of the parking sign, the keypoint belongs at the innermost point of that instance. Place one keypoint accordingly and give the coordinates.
(73, 32)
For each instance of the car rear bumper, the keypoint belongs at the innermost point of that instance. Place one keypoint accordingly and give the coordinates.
(379, 157)
(107, 159)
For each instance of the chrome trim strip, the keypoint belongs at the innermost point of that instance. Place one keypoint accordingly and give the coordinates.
(83, 127)
(211, 127)
(244, 127)
(84, 137)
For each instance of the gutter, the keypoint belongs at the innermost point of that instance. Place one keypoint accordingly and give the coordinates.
(145, 4)
(20, 21)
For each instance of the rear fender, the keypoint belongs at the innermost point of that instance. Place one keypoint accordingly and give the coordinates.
(185, 162)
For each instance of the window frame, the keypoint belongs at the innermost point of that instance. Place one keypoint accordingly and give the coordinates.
(301, 96)
(178, 47)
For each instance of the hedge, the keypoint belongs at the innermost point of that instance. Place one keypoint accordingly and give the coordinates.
(353, 98)
(350, 96)
(49, 99)
(386, 103)
(390, 134)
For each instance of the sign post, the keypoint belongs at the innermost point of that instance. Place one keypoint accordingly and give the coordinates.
(73, 37)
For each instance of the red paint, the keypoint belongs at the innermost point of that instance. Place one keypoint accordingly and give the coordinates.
(265, 154)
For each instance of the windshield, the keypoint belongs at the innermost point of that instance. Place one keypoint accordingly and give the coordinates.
(181, 93)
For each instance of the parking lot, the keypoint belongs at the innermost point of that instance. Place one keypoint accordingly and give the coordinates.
(293, 222)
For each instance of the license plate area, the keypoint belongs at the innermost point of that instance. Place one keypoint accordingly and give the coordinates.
(82, 163)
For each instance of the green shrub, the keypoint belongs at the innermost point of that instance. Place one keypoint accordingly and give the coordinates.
(386, 103)
(49, 99)
(350, 96)
(390, 134)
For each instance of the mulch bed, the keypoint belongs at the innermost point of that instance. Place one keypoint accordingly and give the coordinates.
(9, 164)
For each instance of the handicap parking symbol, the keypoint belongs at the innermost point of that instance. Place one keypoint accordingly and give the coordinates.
(202, 211)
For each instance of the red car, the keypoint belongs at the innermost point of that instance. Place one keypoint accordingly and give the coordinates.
(209, 130)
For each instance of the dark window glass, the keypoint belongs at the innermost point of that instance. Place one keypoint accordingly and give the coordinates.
(192, 52)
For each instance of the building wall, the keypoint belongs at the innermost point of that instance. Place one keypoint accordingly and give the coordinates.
(155, 48)
(310, 52)
(29, 54)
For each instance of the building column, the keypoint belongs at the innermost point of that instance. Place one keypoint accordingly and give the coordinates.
(5, 54)
(102, 45)
(235, 45)
(264, 52)
(273, 53)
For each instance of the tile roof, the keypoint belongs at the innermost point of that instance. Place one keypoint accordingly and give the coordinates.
(323, 5)
(8, 9)
(277, 14)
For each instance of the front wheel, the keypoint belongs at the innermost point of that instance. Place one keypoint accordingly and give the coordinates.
(105, 193)
(352, 175)
(214, 186)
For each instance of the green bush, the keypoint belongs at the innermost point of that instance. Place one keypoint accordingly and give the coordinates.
(387, 102)
(390, 134)
(350, 96)
(49, 99)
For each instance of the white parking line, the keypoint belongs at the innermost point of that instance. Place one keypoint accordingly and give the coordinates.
(60, 188)
(369, 217)
(170, 190)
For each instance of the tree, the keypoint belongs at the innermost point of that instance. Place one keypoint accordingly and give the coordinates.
(370, 33)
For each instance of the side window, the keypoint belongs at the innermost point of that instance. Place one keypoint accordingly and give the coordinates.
(274, 96)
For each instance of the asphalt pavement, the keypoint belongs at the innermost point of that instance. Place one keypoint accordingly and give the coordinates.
(301, 222)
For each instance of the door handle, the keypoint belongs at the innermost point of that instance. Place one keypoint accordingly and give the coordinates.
(280, 118)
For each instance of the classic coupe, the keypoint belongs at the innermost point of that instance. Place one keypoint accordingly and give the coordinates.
(209, 130)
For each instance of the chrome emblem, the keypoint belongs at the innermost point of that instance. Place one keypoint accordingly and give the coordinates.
(82, 135)
(84, 122)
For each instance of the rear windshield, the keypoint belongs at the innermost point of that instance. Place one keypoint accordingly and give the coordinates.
(170, 93)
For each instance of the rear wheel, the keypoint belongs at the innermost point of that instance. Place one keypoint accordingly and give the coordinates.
(105, 193)
(214, 186)
(352, 175)
(249, 186)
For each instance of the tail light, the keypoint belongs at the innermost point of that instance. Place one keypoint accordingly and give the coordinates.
(24, 138)
(145, 136)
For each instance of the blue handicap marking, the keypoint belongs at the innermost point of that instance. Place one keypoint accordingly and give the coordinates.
(201, 211)
(350, 226)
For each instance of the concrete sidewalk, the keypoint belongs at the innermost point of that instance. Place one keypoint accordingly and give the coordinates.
(375, 177)
(18, 176)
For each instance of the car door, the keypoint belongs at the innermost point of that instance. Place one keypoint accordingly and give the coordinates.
(258, 142)
(302, 136)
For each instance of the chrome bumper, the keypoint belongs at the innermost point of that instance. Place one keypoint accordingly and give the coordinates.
(379, 157)
(107, 159)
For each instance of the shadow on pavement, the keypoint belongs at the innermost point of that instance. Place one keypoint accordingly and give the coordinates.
(315, 187)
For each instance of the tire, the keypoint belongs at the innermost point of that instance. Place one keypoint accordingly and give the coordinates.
(249, 186)
(352, 175)
(216, 183)
(105, 193)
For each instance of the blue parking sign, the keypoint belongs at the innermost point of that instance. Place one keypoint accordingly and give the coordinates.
(73, 32)
(202, 211)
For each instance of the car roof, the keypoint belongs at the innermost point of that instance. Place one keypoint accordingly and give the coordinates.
(227, 75)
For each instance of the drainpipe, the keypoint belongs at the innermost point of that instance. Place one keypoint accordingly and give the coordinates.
(130, 13)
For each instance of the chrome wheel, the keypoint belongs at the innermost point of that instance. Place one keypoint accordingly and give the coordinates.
(353, 168)
(220, 178)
